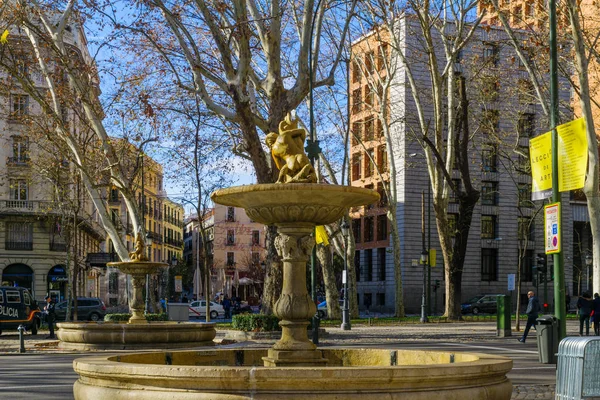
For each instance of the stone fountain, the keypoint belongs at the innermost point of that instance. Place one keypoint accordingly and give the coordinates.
(294, 368)
(137, 333)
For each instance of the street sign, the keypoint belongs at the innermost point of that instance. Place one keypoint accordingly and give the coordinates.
(511, 282)
(552, 228)
(178, 284)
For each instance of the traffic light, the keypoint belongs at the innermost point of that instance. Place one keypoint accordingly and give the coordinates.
(545, 307)
(541, 262)
(436, 285)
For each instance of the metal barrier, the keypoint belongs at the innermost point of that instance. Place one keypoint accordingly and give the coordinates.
(578, 368)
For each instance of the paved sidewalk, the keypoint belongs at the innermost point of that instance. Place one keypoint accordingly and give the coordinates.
(473, 333)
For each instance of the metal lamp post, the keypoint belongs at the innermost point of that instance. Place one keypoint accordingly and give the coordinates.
(589, 260)
(345, 311)
(149, 246)
(424, 258)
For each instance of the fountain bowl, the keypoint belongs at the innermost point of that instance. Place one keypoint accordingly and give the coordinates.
(236, 374)
(298, 203)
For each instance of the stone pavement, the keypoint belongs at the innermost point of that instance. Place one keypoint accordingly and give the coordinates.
(474, 333)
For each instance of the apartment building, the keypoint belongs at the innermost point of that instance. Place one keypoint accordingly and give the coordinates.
(503, 117)
(47, 223)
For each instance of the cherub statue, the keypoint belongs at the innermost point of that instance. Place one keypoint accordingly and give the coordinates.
(140, 249)
(287, 149)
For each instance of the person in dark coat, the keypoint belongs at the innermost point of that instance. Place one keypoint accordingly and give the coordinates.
(185, 299)
(227, 306)
(50, 316)
(584, 309)
(596, 311)
(533, 311)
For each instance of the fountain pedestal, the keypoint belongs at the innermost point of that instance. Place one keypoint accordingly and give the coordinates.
(295, 306)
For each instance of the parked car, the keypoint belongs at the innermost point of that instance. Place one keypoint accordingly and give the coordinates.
(322, 308)
(17, 307)
(88, 309)
(483, 303)
(197, 309)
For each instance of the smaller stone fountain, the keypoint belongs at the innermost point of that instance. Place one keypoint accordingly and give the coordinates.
(137, 333)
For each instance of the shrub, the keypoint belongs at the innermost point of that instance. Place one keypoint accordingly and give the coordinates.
(255, 323)
(125, 317)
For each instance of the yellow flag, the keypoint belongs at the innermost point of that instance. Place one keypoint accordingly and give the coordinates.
(4, 37)
(321, 235)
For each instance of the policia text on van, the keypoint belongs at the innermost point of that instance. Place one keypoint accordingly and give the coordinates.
(17, 307)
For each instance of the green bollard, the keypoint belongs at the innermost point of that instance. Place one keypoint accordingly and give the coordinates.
(503, 322)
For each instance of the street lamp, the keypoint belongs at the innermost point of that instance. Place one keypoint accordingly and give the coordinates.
(149, 246)
(424, 259)
(589, 260)
(345, 312)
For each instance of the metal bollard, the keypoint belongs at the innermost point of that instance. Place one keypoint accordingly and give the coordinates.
(21, 330)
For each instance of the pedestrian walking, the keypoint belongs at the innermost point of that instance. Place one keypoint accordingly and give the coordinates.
(227, 306)
(533, 311)
(584, 309)
(50, 316)
(596, 313)
(568, 301)
(185, 299)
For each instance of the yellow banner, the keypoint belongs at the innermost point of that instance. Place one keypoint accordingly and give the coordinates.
(540, 156)
(432, 257)
(572, 155)
(321, 235)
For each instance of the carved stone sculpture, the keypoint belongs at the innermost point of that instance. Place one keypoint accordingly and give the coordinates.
(139, 253)
(287, 149)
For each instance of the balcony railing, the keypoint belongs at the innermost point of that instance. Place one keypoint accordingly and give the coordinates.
(17, 161)
(18, 245)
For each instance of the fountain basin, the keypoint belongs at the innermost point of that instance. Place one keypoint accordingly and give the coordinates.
(350, 374)
(123, 336)
(312, 203)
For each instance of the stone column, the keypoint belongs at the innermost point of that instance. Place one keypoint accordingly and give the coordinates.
(137, 304)
(295, 306)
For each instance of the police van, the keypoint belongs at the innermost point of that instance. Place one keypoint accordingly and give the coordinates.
(17, 307)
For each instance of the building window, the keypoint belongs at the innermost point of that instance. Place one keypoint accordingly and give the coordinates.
(381, 263)
(369, 95)
(368, 265)
(19, 236)
(489, 158)
(382, 160)
(255, 238)
(383, 199)
(367, 300)
(19, 106)
(489, 265)
(114, 216)
(490, 54)
(526, 228)
(382, 230)
(113, 283)
(356, 101)
(526, 125)
(368, 231)
(369, 62)
(19, 189)
(230, 214)
(356, 132)
(230, 258)
(526, 91)
(356, 160)
(523, 165)
(357, 265)
(524, 195)
(255, 257)
(490, 122)
(489, 193)
(369, 129)
(452, 219)
(488, 226)
(382, 56)
(379, 128)
(453, 196)
(20, 150)
(370, 163)
(355, 71)
(380, 299)
(527, 267)
(230, 237)
(356, 228)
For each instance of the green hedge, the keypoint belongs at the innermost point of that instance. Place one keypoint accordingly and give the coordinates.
(255, 323)
(125, 317)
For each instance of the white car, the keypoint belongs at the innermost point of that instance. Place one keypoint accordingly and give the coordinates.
(198, 309)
